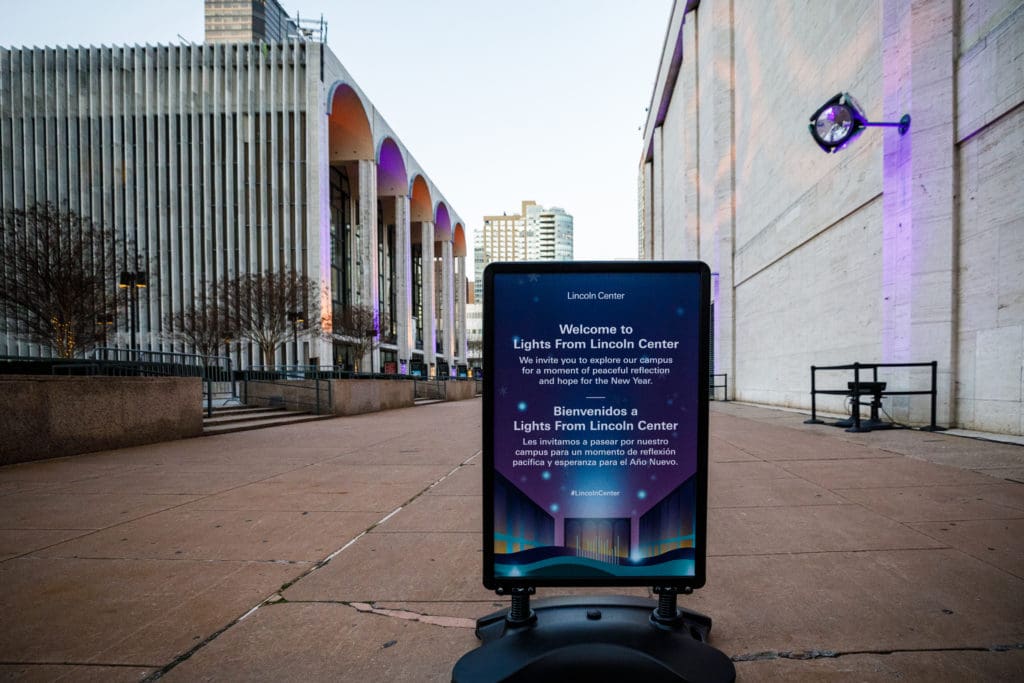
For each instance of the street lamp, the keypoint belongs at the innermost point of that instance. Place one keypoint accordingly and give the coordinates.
(297, 318)
(133, 281)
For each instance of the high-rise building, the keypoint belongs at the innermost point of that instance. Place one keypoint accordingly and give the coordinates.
(535, 234)
(247, 21)
(548, 234)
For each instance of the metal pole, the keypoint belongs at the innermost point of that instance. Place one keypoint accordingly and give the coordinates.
(814, 397)
(814, 405)
(856, 401)
(935, 391)
(133, 298)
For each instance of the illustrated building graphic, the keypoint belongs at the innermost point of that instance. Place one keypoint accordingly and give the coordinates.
(231, 157)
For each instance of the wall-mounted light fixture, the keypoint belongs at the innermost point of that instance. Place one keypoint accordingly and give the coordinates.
(841, 120)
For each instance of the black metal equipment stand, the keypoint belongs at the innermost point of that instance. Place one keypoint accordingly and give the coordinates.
(593, 638)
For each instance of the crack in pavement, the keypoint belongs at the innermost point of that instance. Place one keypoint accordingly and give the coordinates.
(407, 615)
(770, 655)
(277, 597)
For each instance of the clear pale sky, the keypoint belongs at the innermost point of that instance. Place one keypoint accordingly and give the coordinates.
(499, 101)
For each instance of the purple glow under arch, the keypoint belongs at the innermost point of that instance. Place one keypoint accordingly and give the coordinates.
(442, 223)
(392, 179)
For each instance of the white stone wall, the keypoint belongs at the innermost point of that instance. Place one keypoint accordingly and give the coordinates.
(990, 136)
(816, 306)
(990, 214)
(898, 249)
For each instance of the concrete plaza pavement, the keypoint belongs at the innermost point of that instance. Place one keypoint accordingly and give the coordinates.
(349, 549)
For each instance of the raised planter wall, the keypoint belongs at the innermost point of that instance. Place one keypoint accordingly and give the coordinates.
(356, 396)
(50, 417)
(347, 396)
(460, 390)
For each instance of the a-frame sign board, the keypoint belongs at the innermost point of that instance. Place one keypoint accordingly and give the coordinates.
(595, 449)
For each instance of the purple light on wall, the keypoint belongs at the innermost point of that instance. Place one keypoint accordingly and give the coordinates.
(897, 194)
(716, 315)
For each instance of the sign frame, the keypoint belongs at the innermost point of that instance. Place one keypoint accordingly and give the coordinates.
(595, 269)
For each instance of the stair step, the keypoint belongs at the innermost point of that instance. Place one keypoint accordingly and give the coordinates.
(243, 409)
(249, 417)
(246, 425)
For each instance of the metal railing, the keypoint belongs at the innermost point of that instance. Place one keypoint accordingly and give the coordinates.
(430, 389)
(855, 389)
(215, 371)
(724, 385)
(217, 368)
(300, 385)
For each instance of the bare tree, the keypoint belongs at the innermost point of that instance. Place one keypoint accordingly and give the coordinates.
(358, 327)
(205, 328)
(57, 273)
(263, 307)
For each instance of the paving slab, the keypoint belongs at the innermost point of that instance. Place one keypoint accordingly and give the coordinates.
(15, 486)
(780, 444)
(467, 480)
(222, 535)
(941, 503)
(45, 510)
(139, 613)
(176, 480)
(884, 668)
(437, 513)
(875, 601)
(30, 673)
(945, 449)
(63, 471)
(738, 492)
(746, 471)
(805, 529)
(17, 542)
(274, 645)
(442, 566)
(301, 496)
(720, 450)
(887, 472)
(332, 476)
(1013, 474)
(996, 541)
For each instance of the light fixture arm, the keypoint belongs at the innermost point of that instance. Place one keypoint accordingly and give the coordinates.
(903, 124)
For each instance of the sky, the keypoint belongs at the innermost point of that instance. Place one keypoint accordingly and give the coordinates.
(498, 101)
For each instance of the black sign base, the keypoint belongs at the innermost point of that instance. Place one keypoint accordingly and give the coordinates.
(594, 638)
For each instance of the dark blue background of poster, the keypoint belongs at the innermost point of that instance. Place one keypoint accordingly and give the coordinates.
(658, 306)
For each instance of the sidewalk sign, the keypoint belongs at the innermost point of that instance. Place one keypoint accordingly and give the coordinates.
(595, 436)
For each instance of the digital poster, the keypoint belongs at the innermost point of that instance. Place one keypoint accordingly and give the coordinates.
(595, 423)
